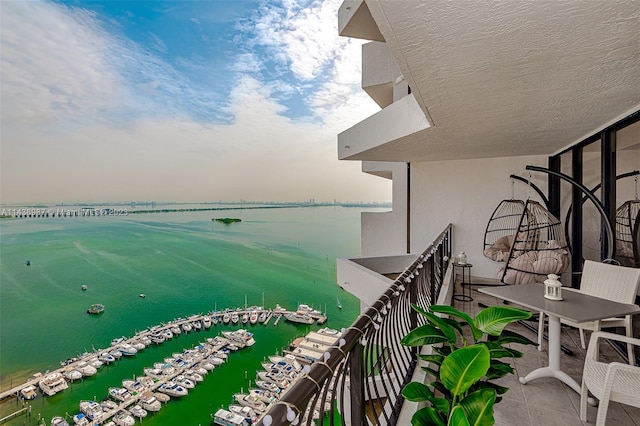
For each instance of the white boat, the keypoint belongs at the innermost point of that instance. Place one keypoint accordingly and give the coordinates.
(275, 377)
(281, 366)
(193, 376)
(196, 325)
(146, 341)
(123, 418)
(81, 420)
(138, 411)
(299, 318)
(95, 362)
(175, 330)
(115, 353)
(264, 395)
(86, 369)
(183, 381)
(72, 374)
(134, 386)
(215, 360)
(167, 369)
(245, 318)
(251, 401)
(150, 402)
(186, 327)
(200, 370)
(92, 410)
(247, 412)
(226, 317)
(262, 317)
(117, 340)
(108, 405)
(168, 334)
(120, 394)
(106, 357)
(253, 317)
(127, 349)
(157, 338)
(308, 309)
(161, 396)
(288, 358)
(223, 417)
(243, 337)
(138, 345)
(234, 318)
(155, 373)
(29, 392)
(173, 389)
(206, 321)
(59, 421)
(270, 386)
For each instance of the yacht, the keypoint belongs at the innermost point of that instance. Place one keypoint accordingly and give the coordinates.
(120, 394)
(288, 358)
(270, 386)
(115, 353)
(157, 338)
(154, 373)
(124, 418)
(167, 369)
(251, 401)
(264, 395)
(244, 411)
(281, 366)
(173, 389)
(235, 317)
(138, 345)
(28, 392)
(215, 360)
(227, 418)
(95, 362)
(162, 397)
(196, 325)
(244, 337)
(92, 410)
(108, 405)
(138, 411)
(59, 421)
(300, 318)
(308, 309)
(96, 309)
(72, 374)
(193, 376)
(245, 318)
(146, 341)
(186, 327)
(175, 330)
(206, 321)
(106, 357)
(253, 317)
(134, 386)
(150, 402)
(183, 381)
(80, 420)
(262, 317)
(127, 349)
(118, 340)
(86, 369)
(200, 370)
(226, 317)
(275, 377)
(168, 334)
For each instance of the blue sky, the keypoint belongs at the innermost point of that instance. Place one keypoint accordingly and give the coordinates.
(179, 101)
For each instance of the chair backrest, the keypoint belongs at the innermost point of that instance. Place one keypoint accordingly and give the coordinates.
(617, 283)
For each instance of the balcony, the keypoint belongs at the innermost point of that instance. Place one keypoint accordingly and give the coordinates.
(355, 20)
(364, 373)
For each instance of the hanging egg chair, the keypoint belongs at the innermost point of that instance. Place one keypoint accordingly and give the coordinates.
(502, 228)
(539, 247)
(628, 232)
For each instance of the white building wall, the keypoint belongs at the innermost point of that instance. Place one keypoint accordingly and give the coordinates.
(465, 193)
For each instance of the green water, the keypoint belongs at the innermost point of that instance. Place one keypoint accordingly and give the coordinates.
(185, 264)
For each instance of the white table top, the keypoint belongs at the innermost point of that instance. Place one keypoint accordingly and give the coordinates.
(575, 307)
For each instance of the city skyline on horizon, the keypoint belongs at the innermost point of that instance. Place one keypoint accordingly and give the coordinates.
(179, 100)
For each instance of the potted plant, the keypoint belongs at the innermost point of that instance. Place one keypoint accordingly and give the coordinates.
(462, 393)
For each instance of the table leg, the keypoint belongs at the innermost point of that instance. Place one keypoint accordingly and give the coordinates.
(553, 369)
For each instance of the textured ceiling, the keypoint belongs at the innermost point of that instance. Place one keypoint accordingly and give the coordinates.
(507, 78)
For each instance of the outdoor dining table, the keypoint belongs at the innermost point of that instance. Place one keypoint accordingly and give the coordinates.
(575, 306)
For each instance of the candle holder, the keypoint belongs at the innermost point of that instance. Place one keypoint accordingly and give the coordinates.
(553, 287)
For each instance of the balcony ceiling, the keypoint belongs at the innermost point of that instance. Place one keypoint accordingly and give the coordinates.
(509, 78)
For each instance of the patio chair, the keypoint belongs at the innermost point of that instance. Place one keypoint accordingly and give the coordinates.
(613, 381)
(617, 283)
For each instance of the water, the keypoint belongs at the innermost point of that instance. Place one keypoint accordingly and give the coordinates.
(185, 264)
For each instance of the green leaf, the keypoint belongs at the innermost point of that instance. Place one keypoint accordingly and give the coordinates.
(494, 319)
(478, 407)
(464, 367)
(453, 312)
(423, 335)
(442, 405)
(508, 336)
(442, 325)
(427, 416)
(433, 358)
(498, 369)
(458, 417)
(432, 371)
(483, 384)
(442, 389)
(417, 392)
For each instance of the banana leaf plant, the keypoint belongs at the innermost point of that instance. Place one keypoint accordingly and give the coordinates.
(462, 393)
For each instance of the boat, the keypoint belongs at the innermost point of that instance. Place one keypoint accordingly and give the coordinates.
(154, 373)
(270, 386)
(53, 383)
(150, 402)
(339, 304)
(28, 393)
(244, 337)
(302, 308)
(299, 318)
(262, 317)
(167, 333)
(161, 396)
(288, 358)
(124, 418)
(157, 338)
(108, 405)
(117, 340)
(251, 401)
(134, 386)
(173, 389)
(95, 362)
(196, 325)
(127, 349)
(142, 295)
(223, 417)
(264, 395)
(86, 369)
(226, 317)
(253, 317)
(183, 381)
(245, 318)
(206, 321)
(215, 360)
(175, 330)
(115, 353)
(138, 411)
(80, 420)
(278, 378)
(193, 376)
(72, 374)
(106, 357)
(120, 394)
(187, 327)
(92, 410)
(234, 318)
(95, 309)
(59, 421)
(84, 287)
(138, 345)
(247, 412)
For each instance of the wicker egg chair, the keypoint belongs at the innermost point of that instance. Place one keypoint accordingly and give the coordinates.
(628, 233)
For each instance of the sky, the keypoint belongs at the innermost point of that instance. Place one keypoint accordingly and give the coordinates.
(116, 101)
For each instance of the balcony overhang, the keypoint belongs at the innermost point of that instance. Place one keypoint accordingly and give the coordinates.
(355, 20)
(399, 120)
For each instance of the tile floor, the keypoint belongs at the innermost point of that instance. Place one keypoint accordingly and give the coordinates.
(547, 401)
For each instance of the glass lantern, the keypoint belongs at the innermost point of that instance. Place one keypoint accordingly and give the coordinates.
(553, 287)
(462, 258)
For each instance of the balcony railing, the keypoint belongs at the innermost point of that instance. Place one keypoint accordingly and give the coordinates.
(360, 379)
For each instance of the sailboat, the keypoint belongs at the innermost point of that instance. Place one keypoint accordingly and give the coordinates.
(339, 304)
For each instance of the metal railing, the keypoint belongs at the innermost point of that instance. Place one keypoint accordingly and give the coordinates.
(360, 379)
